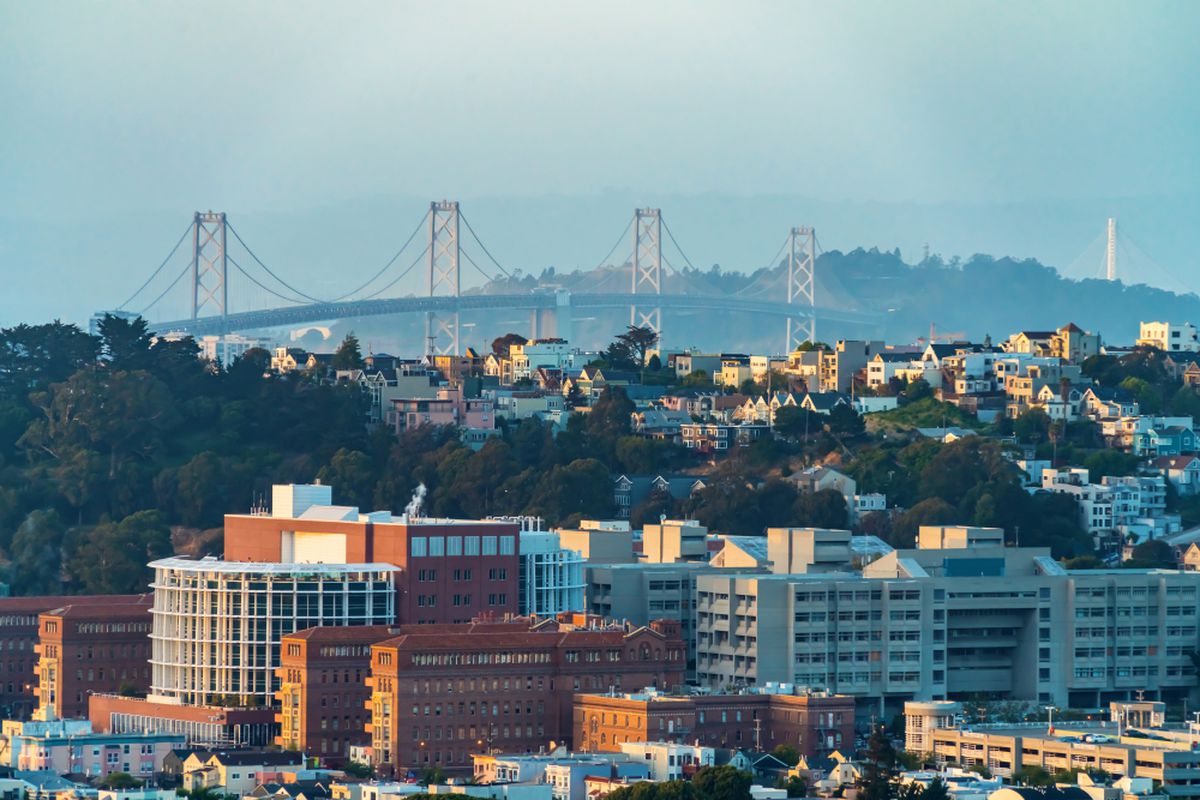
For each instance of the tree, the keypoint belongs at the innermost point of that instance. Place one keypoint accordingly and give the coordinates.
(125, 343)
(200, 489)
(916, 390)
(574, 397)
(787, 754)
(658, 504)
(34, 356)
(501, 344)
(580, 490)
(822, 509)
(120, 780)
(794, 785)
(111, 558)
(352, 475)
(637, 341)
(721, 783)
(879, 767)
(933, 511)
(1110, 462)
(1149, 398)
(432, 775)
(1152, 553)
(1033, 425)
(845, 420)
(349, 354)
(36, 555)
(794, 422)
(936, 790)
(1032, 775)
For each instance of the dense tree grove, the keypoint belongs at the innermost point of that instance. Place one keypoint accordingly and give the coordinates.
(119, 448)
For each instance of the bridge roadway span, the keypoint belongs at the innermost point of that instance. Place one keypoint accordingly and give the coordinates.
(549, 301)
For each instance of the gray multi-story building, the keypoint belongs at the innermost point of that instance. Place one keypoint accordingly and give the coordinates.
(959, 615)
(640, 593)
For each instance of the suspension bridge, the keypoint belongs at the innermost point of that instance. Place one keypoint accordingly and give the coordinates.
(223, 268)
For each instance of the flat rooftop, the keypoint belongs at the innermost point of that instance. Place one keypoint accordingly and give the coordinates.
(1072, 734)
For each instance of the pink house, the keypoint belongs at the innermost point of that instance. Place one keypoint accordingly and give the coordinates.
(448, 408)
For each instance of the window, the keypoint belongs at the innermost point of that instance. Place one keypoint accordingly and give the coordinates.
(489, 545)
(437, 546)
(508, 546)
(454, 545)
(471, 546)
(419, 548)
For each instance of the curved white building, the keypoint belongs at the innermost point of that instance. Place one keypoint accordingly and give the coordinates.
(217, 624)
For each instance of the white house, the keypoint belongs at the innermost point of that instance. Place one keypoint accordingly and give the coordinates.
(1169, 336)
(667, 760)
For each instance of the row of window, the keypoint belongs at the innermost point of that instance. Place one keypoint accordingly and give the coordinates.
(443, 546)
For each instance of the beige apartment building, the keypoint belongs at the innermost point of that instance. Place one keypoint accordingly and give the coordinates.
(1121, 747)
(958, 615)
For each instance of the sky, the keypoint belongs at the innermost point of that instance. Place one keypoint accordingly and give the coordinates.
(324, 130)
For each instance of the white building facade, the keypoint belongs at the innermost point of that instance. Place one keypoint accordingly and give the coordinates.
(1169, 336)
(552, 578)
(217, 624)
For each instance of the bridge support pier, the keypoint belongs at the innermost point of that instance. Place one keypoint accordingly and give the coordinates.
(563, 320)
(441, 334)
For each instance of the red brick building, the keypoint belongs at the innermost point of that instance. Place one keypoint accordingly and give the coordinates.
(815, 724)
(439, 694)
(323, 689)
(92, 647)
(450, 570)
(18, 647)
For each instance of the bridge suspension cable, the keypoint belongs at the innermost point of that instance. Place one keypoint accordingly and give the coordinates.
(624, 235)
(420, 257)
(671, 236)
(186, 268)
(260, 285)
(763, 272)
(483, 246)
(389, 263)
(478, 269)
(268, 270)
(154, 274)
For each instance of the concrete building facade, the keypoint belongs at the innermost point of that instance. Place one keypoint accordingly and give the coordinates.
(959, 615)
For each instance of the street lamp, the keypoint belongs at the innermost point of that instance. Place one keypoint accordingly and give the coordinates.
(1050, 723)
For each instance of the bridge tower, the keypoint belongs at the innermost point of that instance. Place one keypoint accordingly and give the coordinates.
(801, 292)
(442, 277)
(210, 269)
(647, 268)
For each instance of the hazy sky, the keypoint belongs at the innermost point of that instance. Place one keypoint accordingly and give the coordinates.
(127, 116)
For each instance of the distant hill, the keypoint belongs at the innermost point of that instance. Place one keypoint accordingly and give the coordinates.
(983, 295)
